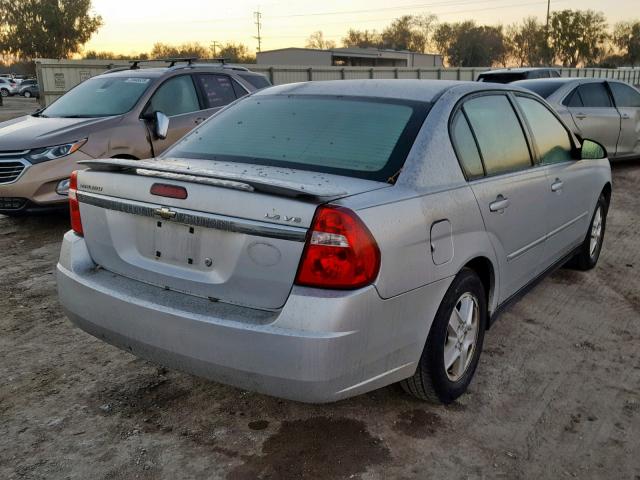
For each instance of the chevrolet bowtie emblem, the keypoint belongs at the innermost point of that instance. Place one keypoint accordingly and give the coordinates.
(165, 213)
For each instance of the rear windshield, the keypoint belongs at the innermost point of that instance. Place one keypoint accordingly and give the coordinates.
(99, 97)
(501, 77)
(354, 136)
(258, 81)
(544, 88)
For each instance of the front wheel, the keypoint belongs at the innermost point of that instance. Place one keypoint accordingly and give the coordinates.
(27, 94)
(589, 253)
(454, 344)
(4, 92)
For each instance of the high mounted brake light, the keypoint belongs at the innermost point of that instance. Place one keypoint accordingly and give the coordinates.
(340, 252)
(169, 191)
(74, 205)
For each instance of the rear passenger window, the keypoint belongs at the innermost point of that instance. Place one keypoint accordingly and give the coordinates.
(175, 97)
(624, 95)
(218, 90)
(594, 95)
(500, 137)
(466, 147)
(551, 138)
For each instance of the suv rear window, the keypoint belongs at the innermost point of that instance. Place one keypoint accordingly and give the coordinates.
(353, 136)
(501, 77)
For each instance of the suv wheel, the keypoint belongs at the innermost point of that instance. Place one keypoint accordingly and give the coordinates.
(4, 92)
(589, 253)
(27, 94)
(453, 348)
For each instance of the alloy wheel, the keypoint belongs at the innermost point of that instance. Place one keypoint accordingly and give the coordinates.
(596, 232)
(462, 336)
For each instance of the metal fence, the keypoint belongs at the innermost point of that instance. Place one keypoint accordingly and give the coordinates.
(58, 76)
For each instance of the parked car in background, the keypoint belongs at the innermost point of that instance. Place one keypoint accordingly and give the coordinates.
(602, 109)
(508, 75)
(29, 88)
(319, 240)
(8, 87)
(129, 113)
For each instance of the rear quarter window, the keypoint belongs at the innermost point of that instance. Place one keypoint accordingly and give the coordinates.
(257, 81)
(466, 148)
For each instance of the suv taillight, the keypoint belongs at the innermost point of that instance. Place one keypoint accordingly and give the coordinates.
(340, 251)
(74, 205)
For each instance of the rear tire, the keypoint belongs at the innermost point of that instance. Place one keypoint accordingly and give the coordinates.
(454, 344)
(27, 94)
(4, 92)
(589, 253)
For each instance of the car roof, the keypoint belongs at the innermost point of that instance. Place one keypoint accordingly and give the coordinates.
(416, 90)
(517, 70)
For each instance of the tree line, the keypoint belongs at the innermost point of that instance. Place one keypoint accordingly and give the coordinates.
(59, 28)
(572, 38)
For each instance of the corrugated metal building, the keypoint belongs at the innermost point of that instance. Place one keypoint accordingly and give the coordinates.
(348, 57)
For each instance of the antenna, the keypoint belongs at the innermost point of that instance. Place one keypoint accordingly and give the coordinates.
(258, 23)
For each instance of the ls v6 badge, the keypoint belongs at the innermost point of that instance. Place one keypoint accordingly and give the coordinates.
(282, 218)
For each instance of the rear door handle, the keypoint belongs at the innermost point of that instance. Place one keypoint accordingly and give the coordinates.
(625, 116)
(200, 120)
(557, 185)
(499, 204)
(581, 116)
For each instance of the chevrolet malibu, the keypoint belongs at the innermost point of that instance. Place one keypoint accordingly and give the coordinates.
(316, 241)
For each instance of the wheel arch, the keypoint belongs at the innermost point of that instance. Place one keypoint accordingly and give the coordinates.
(484, 268)
(606, 191)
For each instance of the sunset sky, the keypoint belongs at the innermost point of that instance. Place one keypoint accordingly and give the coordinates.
(135, 25)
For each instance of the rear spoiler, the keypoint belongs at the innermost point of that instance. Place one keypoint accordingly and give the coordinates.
(182, 172)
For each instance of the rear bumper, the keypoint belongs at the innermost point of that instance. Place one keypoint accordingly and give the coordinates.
(321, 347)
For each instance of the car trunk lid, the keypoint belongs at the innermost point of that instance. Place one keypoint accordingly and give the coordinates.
(237, 237)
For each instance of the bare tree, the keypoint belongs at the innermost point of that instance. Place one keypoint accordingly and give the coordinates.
(317, 40)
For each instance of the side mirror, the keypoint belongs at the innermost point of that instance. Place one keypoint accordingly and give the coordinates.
(161, 125)
(592, 150)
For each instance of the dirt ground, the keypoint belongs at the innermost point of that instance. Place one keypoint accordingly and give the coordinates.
(15, 106)
(556, 395)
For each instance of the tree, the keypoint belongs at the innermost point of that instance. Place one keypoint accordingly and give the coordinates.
(577, 36)
(526, 42)
(405, 33)
(236, 53)
(362, 39)
(466, 44)
(626, 36)
(46, 28)
(317, 40)
(95, 55)
(162, 50)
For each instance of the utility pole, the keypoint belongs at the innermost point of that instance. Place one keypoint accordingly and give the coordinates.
(258, 23)
(214, 47)
(548, 16)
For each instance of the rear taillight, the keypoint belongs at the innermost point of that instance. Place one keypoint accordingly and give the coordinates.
(340, 251)
(74, 205)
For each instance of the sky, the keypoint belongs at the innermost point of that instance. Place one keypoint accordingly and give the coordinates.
(132, 26)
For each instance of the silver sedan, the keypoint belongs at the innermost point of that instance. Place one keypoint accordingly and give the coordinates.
(316, 241)
(605, 110)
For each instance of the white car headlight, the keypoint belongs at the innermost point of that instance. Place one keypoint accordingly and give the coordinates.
(52, 153)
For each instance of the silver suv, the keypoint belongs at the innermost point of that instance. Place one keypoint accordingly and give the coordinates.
(315, 241)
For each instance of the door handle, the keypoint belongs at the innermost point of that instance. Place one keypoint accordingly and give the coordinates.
(625, 116)
(501, 202)
(557, 185)
(581, 116)
(199, 120)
